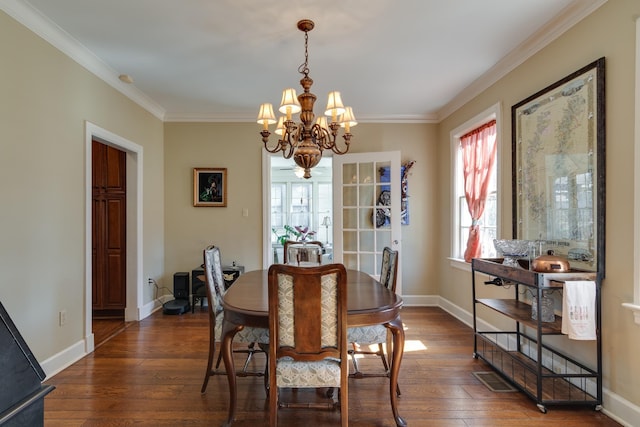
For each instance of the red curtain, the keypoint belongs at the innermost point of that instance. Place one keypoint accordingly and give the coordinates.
(478, 158)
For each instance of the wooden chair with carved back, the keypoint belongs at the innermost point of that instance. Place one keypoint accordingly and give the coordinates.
(307, 326)
(311, 255)
(377, 335)
(215, 288)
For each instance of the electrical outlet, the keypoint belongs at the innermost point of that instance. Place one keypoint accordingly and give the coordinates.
(62, 317)
(150, 281)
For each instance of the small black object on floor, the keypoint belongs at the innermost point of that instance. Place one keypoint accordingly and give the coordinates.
(176, 306)
(180, 304)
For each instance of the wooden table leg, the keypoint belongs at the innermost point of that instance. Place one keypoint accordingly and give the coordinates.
(397, 331)
(229, 330)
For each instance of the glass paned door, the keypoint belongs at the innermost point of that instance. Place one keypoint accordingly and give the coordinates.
(366, 209)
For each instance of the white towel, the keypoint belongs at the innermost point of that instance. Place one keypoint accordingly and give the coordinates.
(579, 310)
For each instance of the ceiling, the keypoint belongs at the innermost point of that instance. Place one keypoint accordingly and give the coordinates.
(218, 60)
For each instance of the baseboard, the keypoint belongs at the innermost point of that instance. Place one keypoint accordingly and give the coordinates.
(420, 300)
(64, 359)
(67, 357)
(153, 306)
(619, 409)
(456, 311)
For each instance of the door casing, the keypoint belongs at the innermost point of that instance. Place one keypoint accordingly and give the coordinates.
(134, 165)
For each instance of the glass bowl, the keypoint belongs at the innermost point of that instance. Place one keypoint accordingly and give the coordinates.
(512, 248)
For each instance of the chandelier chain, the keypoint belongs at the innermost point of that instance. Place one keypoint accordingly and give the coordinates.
(304, 68)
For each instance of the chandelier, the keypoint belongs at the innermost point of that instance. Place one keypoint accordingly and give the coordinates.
(306, 141)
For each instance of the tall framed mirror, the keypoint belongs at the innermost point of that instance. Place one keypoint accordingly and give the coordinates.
(558, 168)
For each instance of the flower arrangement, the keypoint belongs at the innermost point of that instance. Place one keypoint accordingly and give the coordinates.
(304, 233)
(298, 232)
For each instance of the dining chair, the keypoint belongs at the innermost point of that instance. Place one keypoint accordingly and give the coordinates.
(376, 335)
(306, 256)
(216, 289)
(307, 326)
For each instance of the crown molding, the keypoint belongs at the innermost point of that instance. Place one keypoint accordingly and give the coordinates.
(243, 118)
(569, 17)
(35, 21)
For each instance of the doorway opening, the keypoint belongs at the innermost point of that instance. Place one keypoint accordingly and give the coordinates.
(108, 246)
(293, 201)
(133, 279)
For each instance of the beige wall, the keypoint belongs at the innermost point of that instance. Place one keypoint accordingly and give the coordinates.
(45, 99)
(415, 142)
(609, 32)
(189, 229)
(238, 148)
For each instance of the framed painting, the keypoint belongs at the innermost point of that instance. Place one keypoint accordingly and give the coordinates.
(558, 149)
(210, 187)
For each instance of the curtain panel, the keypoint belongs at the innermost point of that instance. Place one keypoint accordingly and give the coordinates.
(478, 156)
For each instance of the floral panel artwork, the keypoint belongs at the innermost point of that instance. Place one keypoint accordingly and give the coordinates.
(558, 147)
(382, 214)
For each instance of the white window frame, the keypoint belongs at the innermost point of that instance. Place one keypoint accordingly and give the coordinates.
(493, 112)
(301, 213)
(283, 207)
(635, 306)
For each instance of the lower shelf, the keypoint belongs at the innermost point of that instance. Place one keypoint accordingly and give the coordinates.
(560, 380)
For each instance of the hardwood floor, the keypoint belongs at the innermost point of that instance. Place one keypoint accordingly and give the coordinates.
(105, 329)
(150, 374)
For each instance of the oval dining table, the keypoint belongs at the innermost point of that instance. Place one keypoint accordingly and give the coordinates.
(246, 303)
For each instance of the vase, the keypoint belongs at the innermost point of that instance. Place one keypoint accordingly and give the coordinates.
(546, 307)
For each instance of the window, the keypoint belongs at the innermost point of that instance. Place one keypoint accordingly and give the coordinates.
(278, 204)
(462, 221)
(324, 217)
(306, 204)
(301, 204)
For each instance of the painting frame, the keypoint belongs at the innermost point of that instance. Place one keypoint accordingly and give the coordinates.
(210, 187)
(558, 167)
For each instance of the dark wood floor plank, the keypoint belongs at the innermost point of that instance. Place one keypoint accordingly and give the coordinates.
(150, 374)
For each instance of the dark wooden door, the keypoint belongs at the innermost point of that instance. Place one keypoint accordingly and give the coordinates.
(109, 231)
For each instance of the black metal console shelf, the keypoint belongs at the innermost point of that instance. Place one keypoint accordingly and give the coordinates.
(521, 355)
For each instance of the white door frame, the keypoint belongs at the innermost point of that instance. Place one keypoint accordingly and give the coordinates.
(267, 254)
(392, 158)
(134, 279)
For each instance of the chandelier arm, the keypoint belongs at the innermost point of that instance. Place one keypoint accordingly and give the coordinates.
(265, 139)
(287, 147)
(347, 142)
(291, 139)
(330, 137)
(328, 142)
(320, 135)
(287, 154)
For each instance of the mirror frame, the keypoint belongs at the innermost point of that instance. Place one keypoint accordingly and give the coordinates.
(559, 133)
